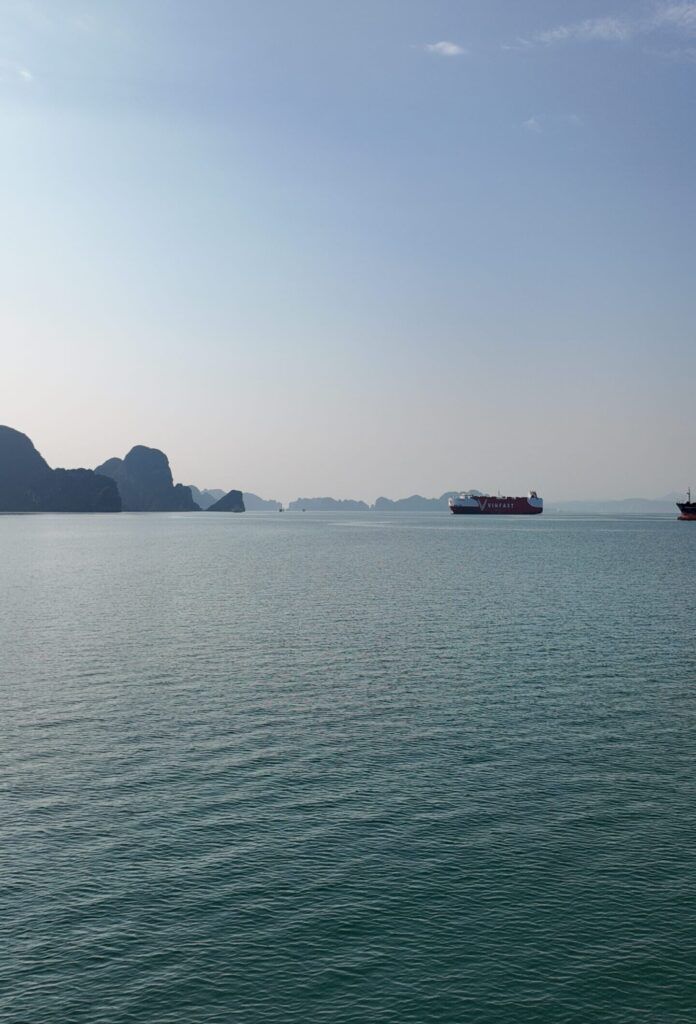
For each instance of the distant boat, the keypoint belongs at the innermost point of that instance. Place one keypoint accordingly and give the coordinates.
(487, 505)
(687, 508)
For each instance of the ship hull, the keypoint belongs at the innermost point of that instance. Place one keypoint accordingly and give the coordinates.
(687, 511)
(497, 507)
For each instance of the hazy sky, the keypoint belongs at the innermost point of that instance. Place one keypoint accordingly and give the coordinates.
(353, 247)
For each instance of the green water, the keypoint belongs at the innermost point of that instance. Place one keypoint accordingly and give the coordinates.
(347, 768)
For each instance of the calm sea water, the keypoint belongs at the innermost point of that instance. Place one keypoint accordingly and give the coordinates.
(347, 768)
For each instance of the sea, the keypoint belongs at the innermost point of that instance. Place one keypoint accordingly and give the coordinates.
(347, 768)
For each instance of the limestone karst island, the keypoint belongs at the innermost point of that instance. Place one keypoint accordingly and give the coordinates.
(140, 482)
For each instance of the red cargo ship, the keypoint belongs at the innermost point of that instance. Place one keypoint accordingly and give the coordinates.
(487, 505)
(687, 508)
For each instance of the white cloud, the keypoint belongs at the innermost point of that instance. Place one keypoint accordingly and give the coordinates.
(519, 44)
(10, 72)
(601, 29)
(445, 49)
(533, 124)
(665, 18)
(679, 16)
(538, 124)
(682, 54)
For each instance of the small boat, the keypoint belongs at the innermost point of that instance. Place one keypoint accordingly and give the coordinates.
(687, 509)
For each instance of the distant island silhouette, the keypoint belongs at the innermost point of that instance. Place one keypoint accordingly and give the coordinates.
(205, 498)
(28, 484)
(328, 505)
(618, 506)
(253, 503)
(416, 503)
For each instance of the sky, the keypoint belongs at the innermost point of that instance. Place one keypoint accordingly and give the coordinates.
(353, 247)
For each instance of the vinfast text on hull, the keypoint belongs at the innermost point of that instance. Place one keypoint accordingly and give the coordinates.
(488, 505)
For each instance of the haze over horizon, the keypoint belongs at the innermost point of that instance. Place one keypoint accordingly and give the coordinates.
(353, 249)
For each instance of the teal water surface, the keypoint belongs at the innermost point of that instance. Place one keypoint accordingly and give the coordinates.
(347, 768)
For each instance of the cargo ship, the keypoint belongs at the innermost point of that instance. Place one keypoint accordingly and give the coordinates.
(487, 505)
(687, 509)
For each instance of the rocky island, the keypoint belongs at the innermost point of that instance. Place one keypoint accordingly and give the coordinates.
(231, 502)
(146, 484)
(28, 484)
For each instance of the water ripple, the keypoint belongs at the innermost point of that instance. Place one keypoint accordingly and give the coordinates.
(408, 771)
